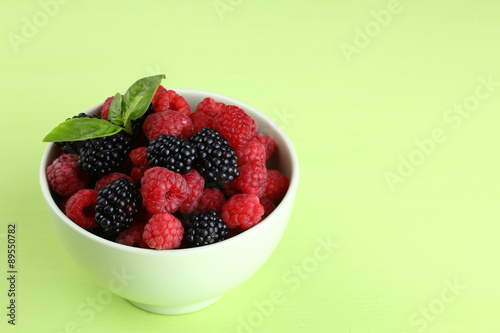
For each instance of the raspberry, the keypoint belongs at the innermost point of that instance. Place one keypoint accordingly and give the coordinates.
(163, 232)
(138, 155)
(235, 126)
(73, 147)
(117, 205)
(161, 89)
(268, 207)
(268, 143)
(209, 107)
(252, 151)
(201, 120)
(167, 123)
(80, 208)
(103, 155)
(230, 189)
(104, 109)
(172, 152)
(163, 191)
(243, 211)
(137, 172)
(105, 180)
(195, 183)
(140, 163)
(277, 185)
(205, 228)
(170, 100)
(252, 179)
(217, 161)
(211, 199)
(133, 235)
(65, 176)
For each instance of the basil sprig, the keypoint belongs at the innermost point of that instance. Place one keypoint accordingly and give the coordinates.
(122, 110)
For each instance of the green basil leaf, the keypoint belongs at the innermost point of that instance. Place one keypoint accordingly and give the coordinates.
(145, 88)
(79, 129)
(115, 110)
(132, 107)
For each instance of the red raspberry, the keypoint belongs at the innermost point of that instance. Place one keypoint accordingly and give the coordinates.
(195, 183)
(170, 100)
(138, 155)
(108, 179)
(268, 143)
(276, 187)
(268, 206)
(163, 232)
(201, 120)
(252, 151)
(211, 199)
(168, 123)
(80, 208)
(230, 189)
(161, 89)
(252, 179)
(235, 126)
(137, 172)
(138, 158)
(104, 110)
(162, 190)
(242, 210)
(133, 236)
(65, 176)
(209, 107)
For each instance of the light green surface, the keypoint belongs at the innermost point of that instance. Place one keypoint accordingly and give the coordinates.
(418, 253)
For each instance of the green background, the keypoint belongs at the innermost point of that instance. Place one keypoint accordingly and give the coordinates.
(392, 107)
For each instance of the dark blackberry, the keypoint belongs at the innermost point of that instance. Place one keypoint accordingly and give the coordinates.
(73, 147)
(117, 205)
(104, 155)
(172, 152)
(217, 161)
(205, 228)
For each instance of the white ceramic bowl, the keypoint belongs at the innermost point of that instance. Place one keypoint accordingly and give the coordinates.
(182, 280)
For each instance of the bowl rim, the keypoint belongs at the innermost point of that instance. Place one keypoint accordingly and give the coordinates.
(288, 198)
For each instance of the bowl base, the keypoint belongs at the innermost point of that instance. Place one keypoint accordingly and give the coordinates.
(175, 309)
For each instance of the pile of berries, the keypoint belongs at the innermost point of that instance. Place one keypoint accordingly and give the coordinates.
(184, 178)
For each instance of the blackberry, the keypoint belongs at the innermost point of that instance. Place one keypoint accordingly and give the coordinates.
(73, 147)
(117, 205)
(104, 155)
(172, 152)
(217, 161)
(205, 228)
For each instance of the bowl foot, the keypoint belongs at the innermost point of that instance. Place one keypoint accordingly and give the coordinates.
(175, 309)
